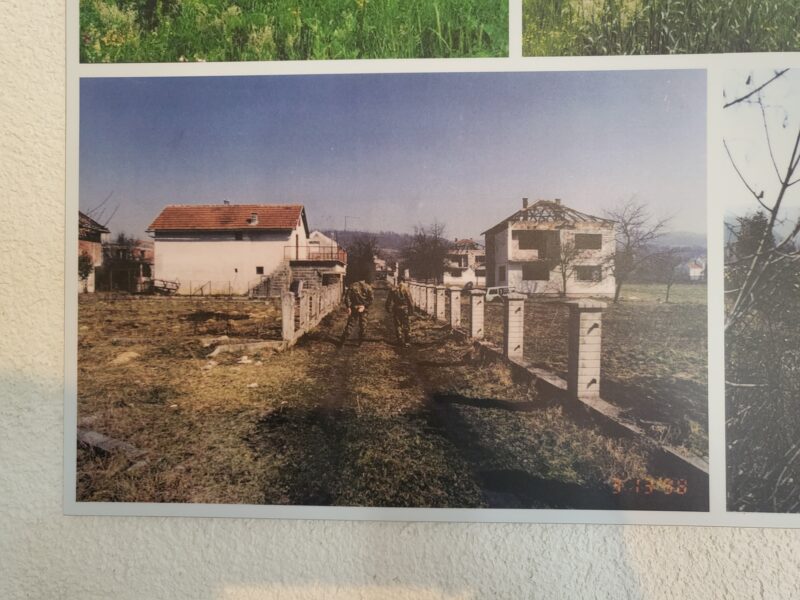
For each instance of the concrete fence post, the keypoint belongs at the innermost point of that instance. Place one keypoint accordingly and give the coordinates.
(455, 308)
(430, 304)
(477, 304)
(585, 334)
(304, 312)
(441, 299)
(513, 325)
(287, 316)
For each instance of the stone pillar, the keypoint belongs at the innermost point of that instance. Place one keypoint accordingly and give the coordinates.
(513, 325)
(305, 311)
(477, 304)
(455, 308)
(441, 299)
(430, 299)
(585, 332)
(287, 316)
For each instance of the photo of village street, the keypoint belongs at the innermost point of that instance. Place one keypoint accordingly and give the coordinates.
(463, 290)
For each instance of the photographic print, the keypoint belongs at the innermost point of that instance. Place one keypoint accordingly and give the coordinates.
(229, 30)
(438, 290)
(762, 281)
(614, 27)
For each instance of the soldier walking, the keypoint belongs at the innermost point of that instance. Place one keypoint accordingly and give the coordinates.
(400, 305)
(358, 298)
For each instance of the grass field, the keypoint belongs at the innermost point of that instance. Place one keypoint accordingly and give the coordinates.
(361, 426)
(654, 356)
(762, 420)
(603, 27)
(229, 30)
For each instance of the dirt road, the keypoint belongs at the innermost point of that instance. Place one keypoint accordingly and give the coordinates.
(430, 426)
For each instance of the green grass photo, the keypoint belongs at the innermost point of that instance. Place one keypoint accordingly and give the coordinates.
(612, 27)
(229, 30)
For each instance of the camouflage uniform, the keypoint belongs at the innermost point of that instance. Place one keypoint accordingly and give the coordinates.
(400, 305)
(358, 294)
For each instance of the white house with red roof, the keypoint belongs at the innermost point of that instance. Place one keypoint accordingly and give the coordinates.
(240, 249)
(530, 250)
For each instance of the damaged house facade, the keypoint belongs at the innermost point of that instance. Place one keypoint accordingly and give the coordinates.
(91, 237)
(544, 245)
(259, 250)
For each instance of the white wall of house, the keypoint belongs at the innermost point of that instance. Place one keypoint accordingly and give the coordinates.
(197, 258)
(464, 277)
(502, 243)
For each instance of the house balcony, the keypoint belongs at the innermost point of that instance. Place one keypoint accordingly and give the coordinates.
(315, 254)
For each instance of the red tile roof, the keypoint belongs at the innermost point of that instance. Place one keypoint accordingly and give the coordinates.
(216, 217)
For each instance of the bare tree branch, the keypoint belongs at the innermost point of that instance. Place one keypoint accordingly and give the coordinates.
(755, 91)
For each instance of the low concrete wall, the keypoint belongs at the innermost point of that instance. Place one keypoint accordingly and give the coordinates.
(312, 306)
(584, 356)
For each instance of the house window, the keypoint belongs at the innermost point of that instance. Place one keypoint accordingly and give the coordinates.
(238, 236)
(501, 274)
(588, 241)
(541, 241)
(259, 270)
(535, 271)
(593, 273)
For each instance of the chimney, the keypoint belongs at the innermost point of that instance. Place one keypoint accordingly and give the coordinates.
(557, 201)
(226, 202)
(524, 203)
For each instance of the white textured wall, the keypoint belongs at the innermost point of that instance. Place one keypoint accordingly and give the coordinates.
(46, 555)
(221, 260)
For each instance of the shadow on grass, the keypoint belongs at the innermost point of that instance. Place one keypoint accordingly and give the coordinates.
(517, 488)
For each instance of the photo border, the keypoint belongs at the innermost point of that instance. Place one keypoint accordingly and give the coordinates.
(714, 66)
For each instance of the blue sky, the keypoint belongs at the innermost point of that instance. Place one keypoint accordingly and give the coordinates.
(391, 151)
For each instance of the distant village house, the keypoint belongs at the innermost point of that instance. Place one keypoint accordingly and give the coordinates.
(528, 250)
(255, 249)
(465, 264)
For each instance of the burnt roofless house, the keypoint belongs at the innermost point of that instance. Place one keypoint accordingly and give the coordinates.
(528, 250)
(256, 249)
(91, 237)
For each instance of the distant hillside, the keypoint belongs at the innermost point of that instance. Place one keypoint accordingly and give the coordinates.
(388, 241)
(682, 239)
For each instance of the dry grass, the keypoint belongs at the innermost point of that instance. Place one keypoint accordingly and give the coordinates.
(371, 426)
(655, 357)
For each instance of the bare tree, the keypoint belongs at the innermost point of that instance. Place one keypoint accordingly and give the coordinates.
(636, 232)
(665, 269)
(757, 272)
(426, 253)
(762, 279)
(361, 252)
(85, 268)
(566, 256)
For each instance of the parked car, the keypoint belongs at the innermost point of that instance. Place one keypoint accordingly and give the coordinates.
(497, 293)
